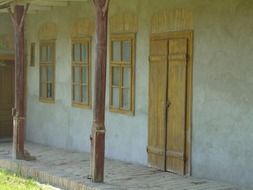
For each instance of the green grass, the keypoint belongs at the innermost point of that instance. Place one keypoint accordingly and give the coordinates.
(10, 181)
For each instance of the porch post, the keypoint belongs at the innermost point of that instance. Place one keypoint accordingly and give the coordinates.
(98, 127)
(19, 110)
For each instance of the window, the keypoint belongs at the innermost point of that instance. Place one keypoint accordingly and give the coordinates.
(47, 71)
(81, 73)
(122, 73)
(32, 55)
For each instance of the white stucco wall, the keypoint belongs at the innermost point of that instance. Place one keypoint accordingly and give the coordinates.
(222, 88)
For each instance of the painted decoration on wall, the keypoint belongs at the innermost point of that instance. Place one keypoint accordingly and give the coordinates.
(83, 27)
(124, 22)
(48, 31)
(172, 20)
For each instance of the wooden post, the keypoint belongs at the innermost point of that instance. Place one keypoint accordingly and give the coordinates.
(19, 111)
(98, 127)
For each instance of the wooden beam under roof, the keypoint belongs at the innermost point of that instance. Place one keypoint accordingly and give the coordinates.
(36, 5)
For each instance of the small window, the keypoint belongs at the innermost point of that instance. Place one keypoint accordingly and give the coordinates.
(32, 55)
(81, 73)
(122, 69)
(47, 71)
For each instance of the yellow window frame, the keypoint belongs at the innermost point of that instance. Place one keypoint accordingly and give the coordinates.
(47, 64)
(81, 64)
(121, 64)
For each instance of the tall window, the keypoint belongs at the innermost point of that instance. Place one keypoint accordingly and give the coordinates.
(122, 69)
(47, 71)
(81, 73)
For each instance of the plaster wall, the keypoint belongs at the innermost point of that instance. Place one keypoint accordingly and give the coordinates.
(222, 114)
(6, 34)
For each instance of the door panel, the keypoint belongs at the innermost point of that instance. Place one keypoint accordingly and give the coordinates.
(157, 101)
(175, 149)
(6, 99)
(169, 135)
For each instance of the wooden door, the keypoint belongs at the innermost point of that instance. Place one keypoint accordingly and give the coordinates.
(169, 113)
(176, 116)
(157, 99)
(6, 98)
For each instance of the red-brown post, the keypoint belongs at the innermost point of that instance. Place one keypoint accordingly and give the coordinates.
(19, 110)
(98, 127)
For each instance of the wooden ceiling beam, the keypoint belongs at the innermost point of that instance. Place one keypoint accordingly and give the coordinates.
(36, 5)
(39, 2)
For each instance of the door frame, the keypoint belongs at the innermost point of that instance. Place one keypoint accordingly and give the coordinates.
(188, 140)
(11, 59)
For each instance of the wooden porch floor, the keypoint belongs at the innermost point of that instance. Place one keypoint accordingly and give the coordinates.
(69, 170)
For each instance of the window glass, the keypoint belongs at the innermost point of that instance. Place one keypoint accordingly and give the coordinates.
(43, 74)
(116, 53)
(49, 90)
(50, 74)
(43, 90)
(84, 53)
(77, 93)
(126, 51)
(126, 98)
(43, 56)
(115, 97)
(77, 75)
(115, 76)
(84, 75)
(84, 94)
(77, 51)
(126, 77)
(49, 54)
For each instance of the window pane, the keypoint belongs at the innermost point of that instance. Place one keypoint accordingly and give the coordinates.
(76, 93)
(115, 76)
(73, 52)
(115, 97)
(127, 51)
(84, 53)
(126, 77)
(43, 74)
(85, 75)
(43, 55)
(77, 52)
(116, 52)
(126, 98)
(50, 90)
(50, 76)
(43, 90)
(50, 53)
(76, 75)
(85, 94)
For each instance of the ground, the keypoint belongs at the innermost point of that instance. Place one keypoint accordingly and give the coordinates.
(10, 181)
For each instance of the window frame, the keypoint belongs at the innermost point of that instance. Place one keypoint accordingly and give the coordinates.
(81, 40)
(123, 37)
(47, 64)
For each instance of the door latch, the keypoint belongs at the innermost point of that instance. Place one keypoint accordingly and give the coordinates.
(168, 104)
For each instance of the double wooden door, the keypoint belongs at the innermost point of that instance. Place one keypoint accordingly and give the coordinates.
(170, 102)
(6, 98)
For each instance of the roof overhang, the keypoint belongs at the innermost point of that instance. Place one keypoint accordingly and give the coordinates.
(36, 5)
